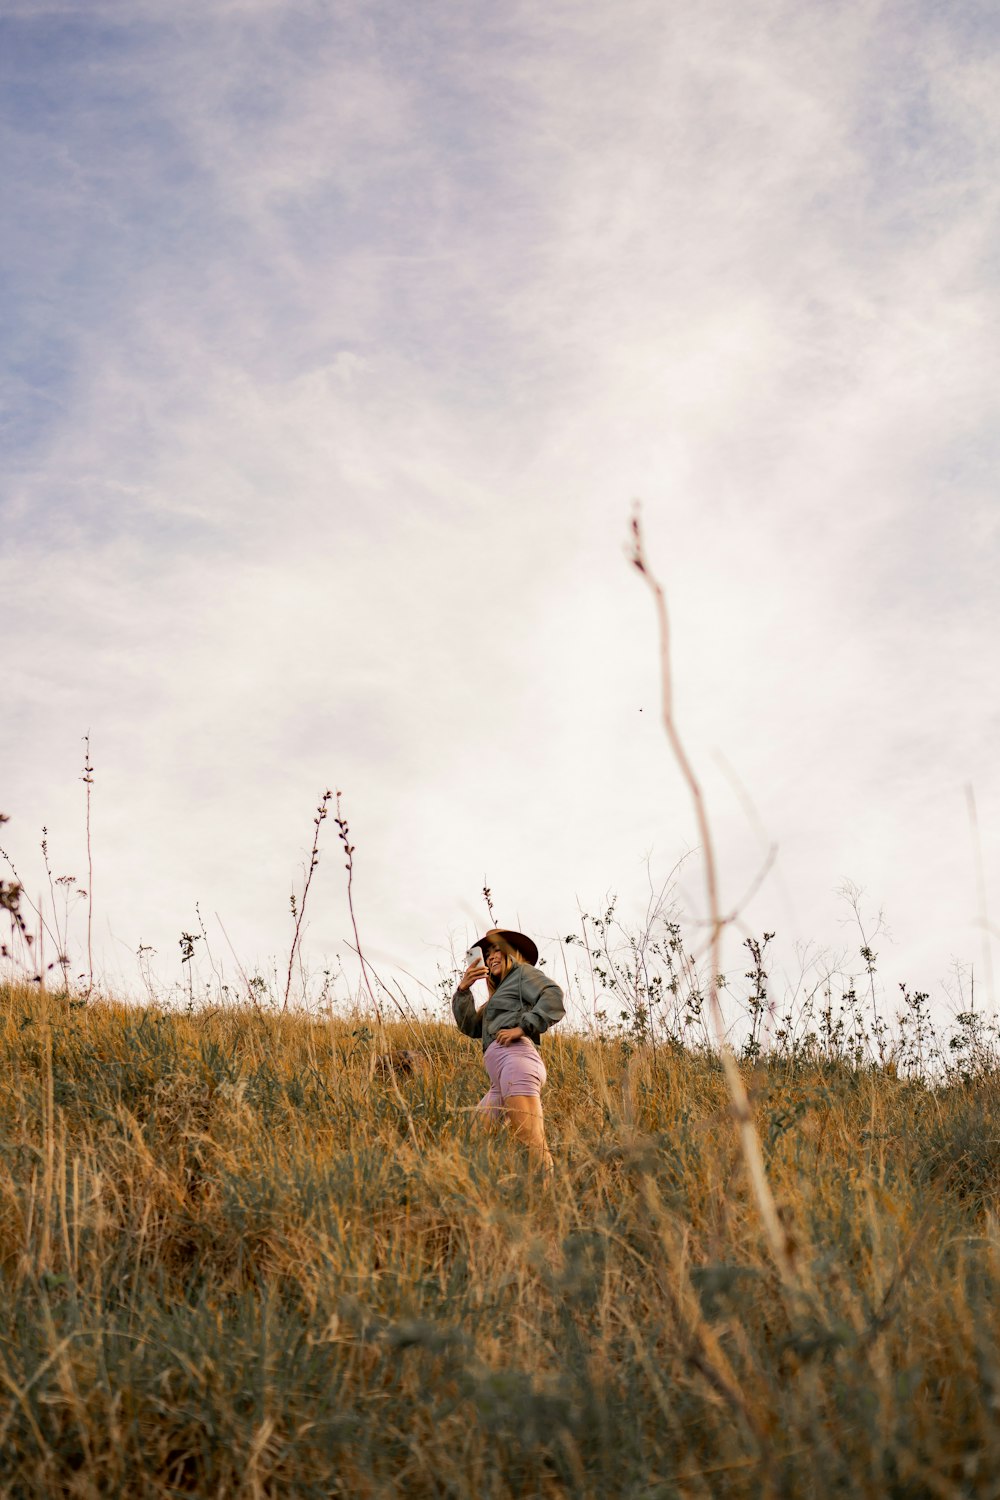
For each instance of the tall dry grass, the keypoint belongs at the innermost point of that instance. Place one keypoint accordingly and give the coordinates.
(237, 1262)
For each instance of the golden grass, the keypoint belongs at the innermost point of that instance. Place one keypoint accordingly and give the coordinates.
(236, 1262)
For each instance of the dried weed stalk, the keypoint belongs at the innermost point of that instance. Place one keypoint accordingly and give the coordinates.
(88, 780)
(753, 1157)
(299, 907)
(345, 839)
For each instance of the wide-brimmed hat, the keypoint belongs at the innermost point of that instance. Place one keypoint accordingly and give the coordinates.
(527, 949)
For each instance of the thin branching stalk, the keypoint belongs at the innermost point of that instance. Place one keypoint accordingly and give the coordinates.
(345, 839)
(749, 1139)
(61, 934)
(52, 897)
(10, 902)
(247, 986)
(208, 949)
(88, 780)
(590, 961)
(367, 972)
(390, 1073)
(28, 939)
(40, 944)
(409, 1015)
(299, 908)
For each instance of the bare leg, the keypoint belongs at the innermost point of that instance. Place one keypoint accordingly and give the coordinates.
(524, 1115)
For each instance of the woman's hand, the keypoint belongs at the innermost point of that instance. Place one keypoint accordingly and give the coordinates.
(472, 973)
(508, 1034)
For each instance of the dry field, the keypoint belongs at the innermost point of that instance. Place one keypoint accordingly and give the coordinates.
(238, 1261)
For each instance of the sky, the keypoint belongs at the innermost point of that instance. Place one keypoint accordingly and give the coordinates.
(338, 342)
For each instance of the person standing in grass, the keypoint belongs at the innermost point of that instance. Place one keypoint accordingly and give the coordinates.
(523, 1003)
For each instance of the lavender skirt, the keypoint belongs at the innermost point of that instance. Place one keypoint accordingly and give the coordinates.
(516, 1069)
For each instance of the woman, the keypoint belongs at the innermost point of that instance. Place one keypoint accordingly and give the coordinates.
(522, 1004)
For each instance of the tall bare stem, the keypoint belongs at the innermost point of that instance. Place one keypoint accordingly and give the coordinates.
(742, 1114)
(299, 908)
(88, 780)
(345, 839)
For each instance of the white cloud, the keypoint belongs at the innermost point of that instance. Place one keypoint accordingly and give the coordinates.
(338, 488)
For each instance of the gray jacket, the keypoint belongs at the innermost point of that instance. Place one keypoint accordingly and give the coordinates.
(525, 998)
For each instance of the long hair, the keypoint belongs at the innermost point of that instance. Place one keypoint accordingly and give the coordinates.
(510, 956)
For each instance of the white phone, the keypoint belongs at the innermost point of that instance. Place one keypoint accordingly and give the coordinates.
(474, 958)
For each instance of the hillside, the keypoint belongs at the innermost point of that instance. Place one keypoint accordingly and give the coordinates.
(238, 1260)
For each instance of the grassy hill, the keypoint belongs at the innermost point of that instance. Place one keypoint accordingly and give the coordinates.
(238, 1260)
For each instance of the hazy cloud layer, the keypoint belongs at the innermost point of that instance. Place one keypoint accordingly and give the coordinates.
(338, 342)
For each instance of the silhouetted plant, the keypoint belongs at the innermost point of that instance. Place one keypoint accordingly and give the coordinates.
(88, 780)
(756, 1001)
(299, 907)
